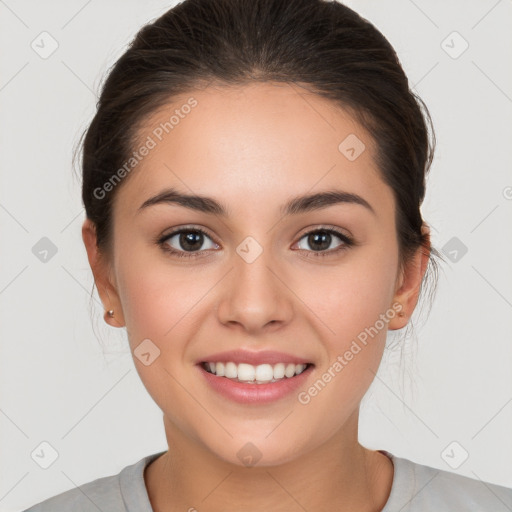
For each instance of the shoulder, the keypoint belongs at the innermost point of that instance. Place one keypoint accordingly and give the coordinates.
(418, 488)
(101, 494)
(112, 493)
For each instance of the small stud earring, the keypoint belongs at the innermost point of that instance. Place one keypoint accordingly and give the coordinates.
(110, 313)
(401, 314)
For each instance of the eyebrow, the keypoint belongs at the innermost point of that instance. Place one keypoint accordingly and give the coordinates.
(295, 206)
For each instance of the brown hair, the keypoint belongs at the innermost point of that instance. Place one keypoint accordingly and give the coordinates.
(322, 45)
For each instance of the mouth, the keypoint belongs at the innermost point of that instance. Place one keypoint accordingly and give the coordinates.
(250, 374)
(254, 378)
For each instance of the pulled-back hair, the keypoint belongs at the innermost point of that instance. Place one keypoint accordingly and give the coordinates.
(320, 45)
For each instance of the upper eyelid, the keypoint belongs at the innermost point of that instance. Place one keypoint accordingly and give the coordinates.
(186, 228)
(327, 227)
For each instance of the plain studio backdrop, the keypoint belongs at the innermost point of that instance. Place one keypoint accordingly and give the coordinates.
(444, 400)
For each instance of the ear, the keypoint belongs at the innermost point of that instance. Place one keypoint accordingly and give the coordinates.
(409, 283)
(101, 270)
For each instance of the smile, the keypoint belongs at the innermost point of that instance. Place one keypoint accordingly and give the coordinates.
(251, 374)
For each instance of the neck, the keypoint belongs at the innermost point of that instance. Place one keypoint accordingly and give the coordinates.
(341, 475)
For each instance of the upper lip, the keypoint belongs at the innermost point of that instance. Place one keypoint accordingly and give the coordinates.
(255, 358)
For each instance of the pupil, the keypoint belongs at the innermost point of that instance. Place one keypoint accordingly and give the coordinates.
(191, 240)
(321, 237)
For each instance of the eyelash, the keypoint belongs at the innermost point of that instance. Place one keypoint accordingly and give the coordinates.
(347, 242)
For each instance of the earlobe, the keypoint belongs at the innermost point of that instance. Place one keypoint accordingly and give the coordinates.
(101, 271)
(409, 282)
(112, 316)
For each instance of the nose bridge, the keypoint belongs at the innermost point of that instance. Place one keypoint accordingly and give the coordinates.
(254, 296)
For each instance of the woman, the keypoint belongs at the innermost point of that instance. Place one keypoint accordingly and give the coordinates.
(252, 181)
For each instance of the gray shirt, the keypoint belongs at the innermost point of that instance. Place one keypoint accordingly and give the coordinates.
(415, 488)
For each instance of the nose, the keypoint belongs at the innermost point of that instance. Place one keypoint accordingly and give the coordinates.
(255, 296)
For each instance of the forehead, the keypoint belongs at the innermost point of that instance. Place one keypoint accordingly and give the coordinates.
(262, 141)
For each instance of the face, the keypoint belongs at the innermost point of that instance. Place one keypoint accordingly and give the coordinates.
(244, 272)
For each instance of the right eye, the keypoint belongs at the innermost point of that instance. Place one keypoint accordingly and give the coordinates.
(184, 242)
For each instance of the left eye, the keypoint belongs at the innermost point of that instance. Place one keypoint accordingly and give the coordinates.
(320, 240)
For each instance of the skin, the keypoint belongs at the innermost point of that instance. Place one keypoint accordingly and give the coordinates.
(253, 148)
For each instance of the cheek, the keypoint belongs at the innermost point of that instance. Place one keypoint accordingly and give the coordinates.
(355, 303)
(351, 297)
(160, 299)
(158, 304)
(356, 306)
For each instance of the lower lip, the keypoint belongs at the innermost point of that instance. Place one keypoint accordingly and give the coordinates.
(255, 393)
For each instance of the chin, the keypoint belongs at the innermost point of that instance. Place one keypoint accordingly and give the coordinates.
(256, 452)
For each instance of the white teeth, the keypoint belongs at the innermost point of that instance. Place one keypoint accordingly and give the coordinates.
(231, 371)
(289, 370)
(279, 371)
(220, 369)
(246, 372)
(299, 368)
(251, 374)
(264, 373)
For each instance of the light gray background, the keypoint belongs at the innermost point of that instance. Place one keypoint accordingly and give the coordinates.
(453, 382)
